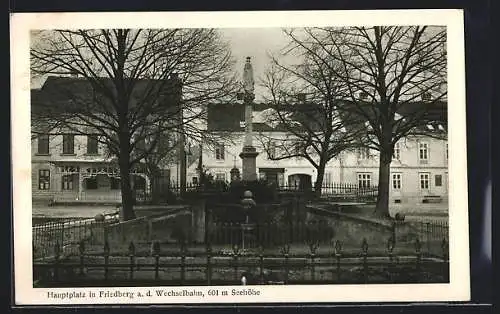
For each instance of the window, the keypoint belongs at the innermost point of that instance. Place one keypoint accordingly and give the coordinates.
(220, 176)
(67, 182)
(272, 150)
(424, 181)
(396, 181)
(43, 144)
(44, 179)
(438, 180)
(423, 152)
(446, 151)
(219, 152)
(364, 180)
(92, 144)
(397, 152)
(363, 153)
(91, 183)
(195, 180)
(68, 144)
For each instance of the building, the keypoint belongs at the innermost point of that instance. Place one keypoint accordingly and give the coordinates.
(71, 164)
(419, 170)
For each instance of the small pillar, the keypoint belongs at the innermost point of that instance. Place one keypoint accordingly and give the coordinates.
(235, 174)
(249, 165)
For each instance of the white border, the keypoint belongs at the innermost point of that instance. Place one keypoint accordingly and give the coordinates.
(457, 290)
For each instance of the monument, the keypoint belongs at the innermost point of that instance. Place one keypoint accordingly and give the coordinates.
(249, 153)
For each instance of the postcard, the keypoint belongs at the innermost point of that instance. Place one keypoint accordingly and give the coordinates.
(239, 157)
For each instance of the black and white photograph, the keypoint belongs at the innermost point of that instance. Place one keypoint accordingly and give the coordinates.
(230, 163)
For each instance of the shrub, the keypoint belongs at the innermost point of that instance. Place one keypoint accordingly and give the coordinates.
(263, 191)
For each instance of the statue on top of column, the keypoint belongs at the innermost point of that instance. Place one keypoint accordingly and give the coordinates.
(248, 82)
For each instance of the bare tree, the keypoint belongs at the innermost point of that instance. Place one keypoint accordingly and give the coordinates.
(395, 79)
(304, 97)
(138, 86)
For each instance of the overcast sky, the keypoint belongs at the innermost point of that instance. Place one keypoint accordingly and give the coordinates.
(256, 43)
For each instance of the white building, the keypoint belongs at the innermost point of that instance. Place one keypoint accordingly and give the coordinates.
(419, 170)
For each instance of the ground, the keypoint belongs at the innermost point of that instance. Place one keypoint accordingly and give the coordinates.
(71, 211)
(433, 212)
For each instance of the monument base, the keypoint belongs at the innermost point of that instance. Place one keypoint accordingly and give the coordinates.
(249, 169)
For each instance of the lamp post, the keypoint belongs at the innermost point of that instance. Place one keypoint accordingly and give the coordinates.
(183, 166)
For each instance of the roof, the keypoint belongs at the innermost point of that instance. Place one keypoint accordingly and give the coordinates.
(227, 116)
(62, 94)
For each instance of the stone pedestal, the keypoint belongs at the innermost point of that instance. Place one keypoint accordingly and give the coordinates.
(248, 156)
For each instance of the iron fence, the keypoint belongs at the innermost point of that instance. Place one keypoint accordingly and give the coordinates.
(344, 191)
(154, 264)
(66, 233)
(270, 234)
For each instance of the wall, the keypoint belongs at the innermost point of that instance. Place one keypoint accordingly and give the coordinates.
(345, 168)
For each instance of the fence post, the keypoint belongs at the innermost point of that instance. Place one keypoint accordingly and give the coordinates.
(338, 254)
(131, 252)
(261, 264)
(236, 251)
(183, 262)
(209, 266)
(156, 253)
(82, 256)
(418, 253)
(390, 251)
(428, 237)
(62, 233)
(57, 252)
(364, 247)
(106, 259)
(444, 247)
(285, 251)
(313, 246)
(394, 231)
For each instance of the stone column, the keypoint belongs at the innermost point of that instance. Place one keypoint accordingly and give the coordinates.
(249, 153)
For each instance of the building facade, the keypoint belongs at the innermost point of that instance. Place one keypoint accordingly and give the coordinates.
(419, 169)
(70, 162)
(77, 168)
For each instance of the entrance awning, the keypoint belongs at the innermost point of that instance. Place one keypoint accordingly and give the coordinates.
(276, 170)
(84, 161)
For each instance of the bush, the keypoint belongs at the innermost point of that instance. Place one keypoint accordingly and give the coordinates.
(263, 192)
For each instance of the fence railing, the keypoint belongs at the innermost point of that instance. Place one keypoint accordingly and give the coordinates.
(341, 190)
(269, 234)
(154, 264)
(67, 234)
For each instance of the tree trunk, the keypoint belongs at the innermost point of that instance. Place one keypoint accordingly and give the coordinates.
(382, 208)
(127, 209)
(319, 179)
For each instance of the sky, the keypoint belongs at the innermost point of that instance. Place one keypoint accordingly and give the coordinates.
(256, 43)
